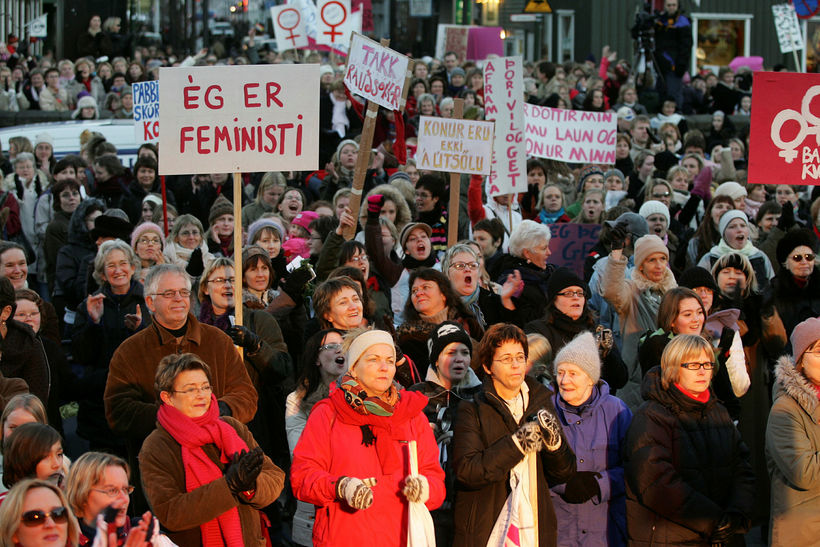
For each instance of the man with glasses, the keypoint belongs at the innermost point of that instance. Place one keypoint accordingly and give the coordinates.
(131, 401)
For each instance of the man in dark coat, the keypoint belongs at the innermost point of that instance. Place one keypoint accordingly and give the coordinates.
(673, 49)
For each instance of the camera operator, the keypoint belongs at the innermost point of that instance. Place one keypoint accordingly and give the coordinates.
(673, 49)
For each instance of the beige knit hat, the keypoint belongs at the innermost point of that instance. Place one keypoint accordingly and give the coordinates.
(646, 245)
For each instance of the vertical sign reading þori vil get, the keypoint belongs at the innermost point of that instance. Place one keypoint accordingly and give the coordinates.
(146, 111)
(375, 72)
(238, 119)
(504, 103)
(458, 146)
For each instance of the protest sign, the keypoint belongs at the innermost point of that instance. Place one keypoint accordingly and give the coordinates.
(570, 135)
(571, 243)
(787, 27)
(459, 146)
(288, 27)
(365, 8)
(146, 111)
(785, 129)
(38, 28)
(504, 103)
(238, 119)
(310, 18)
(375, 72)
(334, 23)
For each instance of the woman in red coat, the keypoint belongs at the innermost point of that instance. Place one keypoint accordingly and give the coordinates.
(352, 460)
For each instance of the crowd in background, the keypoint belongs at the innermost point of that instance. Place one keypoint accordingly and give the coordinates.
(667, 388)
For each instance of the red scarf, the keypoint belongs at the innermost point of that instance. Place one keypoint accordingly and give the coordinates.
(384, 428)
(702, 398)
(193, 434)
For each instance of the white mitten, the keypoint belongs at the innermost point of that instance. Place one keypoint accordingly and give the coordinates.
(551, 429)
(736, 367)
(416, 488)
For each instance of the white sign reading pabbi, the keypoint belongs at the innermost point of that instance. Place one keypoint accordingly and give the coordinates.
(570, 135)
(146, 111)
(375, 72)
(288, 27)
(504, 103)
(787, 26)
(223, 119)
(453, 145)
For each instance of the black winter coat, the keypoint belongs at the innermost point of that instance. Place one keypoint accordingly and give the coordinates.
(131, 202)
(73, 259)
(673, 42)
(532, 301)
(796, 304)
(24, 357)
(484, 453)
(685, 467)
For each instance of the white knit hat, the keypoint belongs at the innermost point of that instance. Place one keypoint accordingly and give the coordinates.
(654, 207)
(728, 217)
(44, 138)
(366, 340)
(732, 189)
(581, 351)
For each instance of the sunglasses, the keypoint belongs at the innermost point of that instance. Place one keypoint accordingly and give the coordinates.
(808, 256)
(37, 518)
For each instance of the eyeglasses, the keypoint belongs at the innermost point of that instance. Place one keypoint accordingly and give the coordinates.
(330, 347)
(169, 294)
(572, 294)
(189, 233)
(195, 390)
(24, 316)
(708, 365)
(808, 256)
(222, 280)
(37, 518)
(149, 240)
(359, 258)
(663, 195)
(472, 266)
(113, 492)
(509, 359)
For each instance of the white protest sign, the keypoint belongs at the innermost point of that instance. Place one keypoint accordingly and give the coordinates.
(310, 16)
(38, 28)
(251, 118)
(146, 111)
(375, 72)
(570, 135)
(454, 145)
(787, 27)
(288, 27)
(334, 24)
(504, 102)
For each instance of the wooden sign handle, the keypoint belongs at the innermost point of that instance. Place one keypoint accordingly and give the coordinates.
(237, 251)
(455, 189)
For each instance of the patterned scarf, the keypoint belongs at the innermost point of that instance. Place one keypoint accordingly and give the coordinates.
(364, 404)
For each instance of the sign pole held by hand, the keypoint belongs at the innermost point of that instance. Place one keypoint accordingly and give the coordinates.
(237, 250)
(363, 160)
(455, 189)
(533, 493)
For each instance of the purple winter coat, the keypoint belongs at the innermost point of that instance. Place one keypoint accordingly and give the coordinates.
(596, 432)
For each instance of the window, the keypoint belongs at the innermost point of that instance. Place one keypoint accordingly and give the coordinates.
(566, 35)
(719, 38)
(811, 54)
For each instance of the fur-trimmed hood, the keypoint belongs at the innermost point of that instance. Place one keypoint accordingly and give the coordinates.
(794, 384)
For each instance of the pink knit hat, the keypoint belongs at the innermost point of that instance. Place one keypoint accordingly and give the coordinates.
(804, 336)
(143, 228)
(304, 219)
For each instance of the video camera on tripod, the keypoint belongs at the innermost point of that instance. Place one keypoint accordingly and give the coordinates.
(643, 32)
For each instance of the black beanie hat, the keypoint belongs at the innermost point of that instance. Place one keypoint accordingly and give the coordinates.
(794, 239)
(562, 278)
(444, 334)
(106, 226)
(698, 277)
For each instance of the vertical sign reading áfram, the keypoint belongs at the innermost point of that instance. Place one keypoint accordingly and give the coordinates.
(452, 145)
(504, 103)
(570, 135)
(288, 27)
(785, 129)
(146, 111)
(375, 72)
(238, 118)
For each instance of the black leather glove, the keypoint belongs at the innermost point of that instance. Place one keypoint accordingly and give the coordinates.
(767, 303)
(294, 285)
(618, 235)
(224, 409)
(244, 338)
(195, 265)
(729, 525)
(787, 219)
(727, 335)
(582, 487)
(241, 473)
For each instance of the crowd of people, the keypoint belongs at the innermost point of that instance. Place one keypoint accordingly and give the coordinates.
(664, 391)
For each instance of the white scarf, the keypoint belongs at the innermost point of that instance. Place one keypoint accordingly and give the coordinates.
(339, 120)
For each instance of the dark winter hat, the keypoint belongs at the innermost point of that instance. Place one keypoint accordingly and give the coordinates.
(457, 71)
(794, 239)
(698, 277)
(562, 278)
(664, 161)
(409, 227)
(220, 207)
(445, 334)
(615, 173)
(581, 351)
(106, 226)
(587, 171)
(635, 224)
(804, 335)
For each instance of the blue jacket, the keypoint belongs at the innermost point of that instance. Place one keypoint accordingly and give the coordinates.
(596, 432)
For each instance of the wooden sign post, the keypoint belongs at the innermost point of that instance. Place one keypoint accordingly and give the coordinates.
(455, 189)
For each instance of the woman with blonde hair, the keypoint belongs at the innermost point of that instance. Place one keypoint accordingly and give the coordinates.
(36, 513)
(268, 194)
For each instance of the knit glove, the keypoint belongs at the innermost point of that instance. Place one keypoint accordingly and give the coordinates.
(243, 470)
(196, 265)
(702, 186)
(550, 429)
(736, 367)
(416, 488)
(374, 205)
(582, 487)
(618, 235)
(357, 493)
(244, 338)
(294, 285)
(529, 438)
(605, 340)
